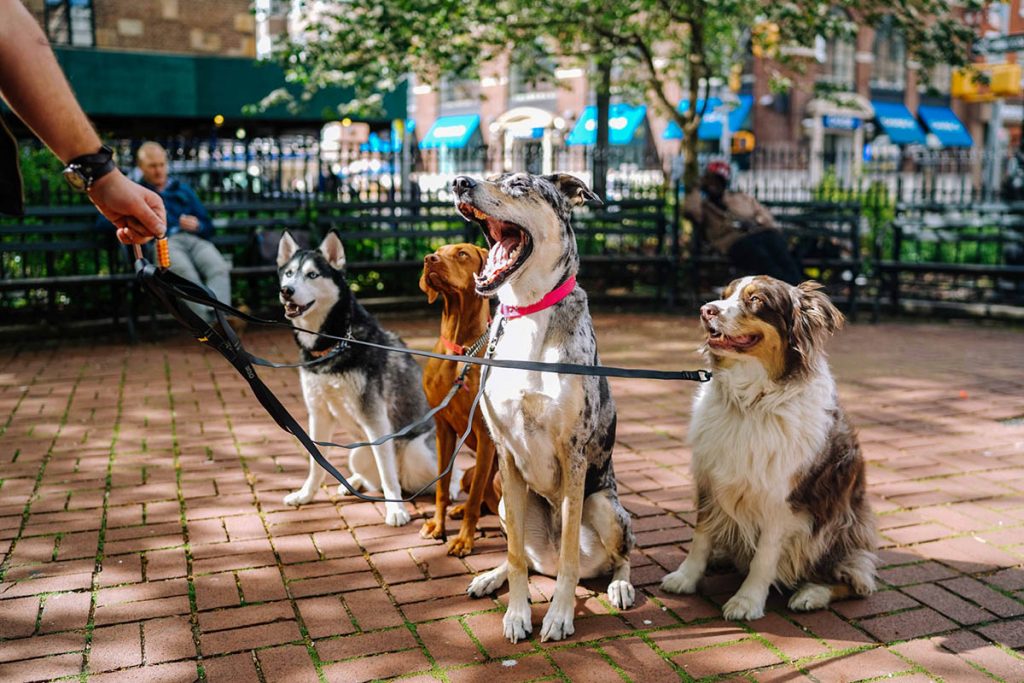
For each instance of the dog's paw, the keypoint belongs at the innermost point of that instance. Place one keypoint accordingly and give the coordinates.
(743, 608)
(432, 528)
(681, 580)
(487, 583)
(396, 515)
(557, 624)
(516, 623)
(457, 511)
(357, 482)
(621, 594)
(811, 596)
(460, 546)
(300, 497)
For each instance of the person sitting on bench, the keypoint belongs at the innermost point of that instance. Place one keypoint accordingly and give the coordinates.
(738, 226)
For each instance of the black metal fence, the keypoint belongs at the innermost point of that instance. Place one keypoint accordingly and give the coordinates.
(396, 206)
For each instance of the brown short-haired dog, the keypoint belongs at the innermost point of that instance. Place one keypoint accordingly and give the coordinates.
(448, 273)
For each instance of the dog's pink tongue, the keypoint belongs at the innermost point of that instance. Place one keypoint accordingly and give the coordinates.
(742, 341)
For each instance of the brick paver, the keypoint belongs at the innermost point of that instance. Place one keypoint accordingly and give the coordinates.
(143, 535)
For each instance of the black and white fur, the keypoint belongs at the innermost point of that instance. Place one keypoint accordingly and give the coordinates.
(370, 391)
(779, 473)
(554, 433)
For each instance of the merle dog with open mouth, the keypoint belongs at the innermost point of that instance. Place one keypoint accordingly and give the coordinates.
(554, 433)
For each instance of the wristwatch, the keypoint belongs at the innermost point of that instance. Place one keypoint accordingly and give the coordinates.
(81, 172)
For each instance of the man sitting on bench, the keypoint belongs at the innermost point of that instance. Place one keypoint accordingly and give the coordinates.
(189, 228)
(736, 224)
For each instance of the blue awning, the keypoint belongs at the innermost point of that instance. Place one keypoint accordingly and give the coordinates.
(624, 121)
(945, 125)
(452, 132)
(899, 124)
(711, 125)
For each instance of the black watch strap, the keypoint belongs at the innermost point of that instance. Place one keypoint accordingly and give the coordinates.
(82, 171)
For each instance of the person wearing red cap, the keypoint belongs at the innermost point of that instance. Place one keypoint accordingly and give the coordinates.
(738, 226)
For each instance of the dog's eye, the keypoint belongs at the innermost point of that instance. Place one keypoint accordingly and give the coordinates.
(312, 275)
(463, 254)
(756, 300)
(289, 273)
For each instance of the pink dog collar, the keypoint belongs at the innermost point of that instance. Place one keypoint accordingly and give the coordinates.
(549, 300)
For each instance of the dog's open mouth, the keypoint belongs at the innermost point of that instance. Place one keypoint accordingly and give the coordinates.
(509, 244)
(723, 342)
(294, 310)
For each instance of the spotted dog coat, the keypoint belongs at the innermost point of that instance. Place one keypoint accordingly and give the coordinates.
(554, 433)
(371, 391)
(779, 472)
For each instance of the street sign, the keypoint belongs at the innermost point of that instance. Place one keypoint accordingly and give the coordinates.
(998, 45)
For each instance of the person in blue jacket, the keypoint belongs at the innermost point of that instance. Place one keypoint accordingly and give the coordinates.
(189, 228)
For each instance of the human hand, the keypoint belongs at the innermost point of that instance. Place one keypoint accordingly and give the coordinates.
(188, 223)
(137, 213)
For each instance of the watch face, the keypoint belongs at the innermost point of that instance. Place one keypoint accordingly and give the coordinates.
(75, 179)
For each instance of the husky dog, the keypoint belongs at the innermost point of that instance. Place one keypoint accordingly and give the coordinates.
(371, 391)
(554, 433)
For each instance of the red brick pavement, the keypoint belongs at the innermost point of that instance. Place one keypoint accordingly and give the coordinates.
(143, 535)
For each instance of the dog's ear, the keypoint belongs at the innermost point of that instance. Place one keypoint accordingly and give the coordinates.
(574, 189)
(427, 289)
(286, 248)
(333, 251)
(814, 317)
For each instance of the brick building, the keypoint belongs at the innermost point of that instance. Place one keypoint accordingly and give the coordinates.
(182, 68)
(854, 98)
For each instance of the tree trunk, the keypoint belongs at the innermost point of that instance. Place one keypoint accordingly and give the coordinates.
(692, 117)
(599, 165)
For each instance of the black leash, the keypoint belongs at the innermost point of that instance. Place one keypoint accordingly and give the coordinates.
(191, 291)
(225, 341)
(170, 289)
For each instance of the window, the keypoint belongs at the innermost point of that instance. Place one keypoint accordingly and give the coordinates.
(938, 80)
(889, 69)
(539, 84)
(836, 54)
(69, 22)
(460, 91)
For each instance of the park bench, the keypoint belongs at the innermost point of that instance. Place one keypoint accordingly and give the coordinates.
(824, 236)
(57, 265)
(952, 258)
(625, 246)
(240, 229)
(622, 246)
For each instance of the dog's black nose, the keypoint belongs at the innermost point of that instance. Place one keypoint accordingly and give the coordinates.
(709, 311)
(287, 292)
(433, 258)
(463, 182)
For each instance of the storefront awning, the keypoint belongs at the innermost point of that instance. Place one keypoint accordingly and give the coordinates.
(624, 120)
(899, 124)
(452, 132)
(711, 125)
(945, 125)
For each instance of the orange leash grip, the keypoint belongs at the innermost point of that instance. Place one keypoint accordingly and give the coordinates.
(163, 253)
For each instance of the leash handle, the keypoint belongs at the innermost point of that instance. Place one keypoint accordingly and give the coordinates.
(163, 253)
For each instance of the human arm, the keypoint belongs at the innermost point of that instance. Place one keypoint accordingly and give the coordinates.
(762, 216)
(693, 206)
(195, 219)
(35, 88)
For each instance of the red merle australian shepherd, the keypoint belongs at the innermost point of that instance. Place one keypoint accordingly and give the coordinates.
(778, 469)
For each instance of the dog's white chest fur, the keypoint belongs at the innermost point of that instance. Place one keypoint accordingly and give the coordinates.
(527, 412)
(751, 437)
(339, 392)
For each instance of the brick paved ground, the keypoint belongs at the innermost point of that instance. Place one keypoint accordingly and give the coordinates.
(144, 537)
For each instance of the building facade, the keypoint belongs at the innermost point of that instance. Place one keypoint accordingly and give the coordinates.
(855, 98)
